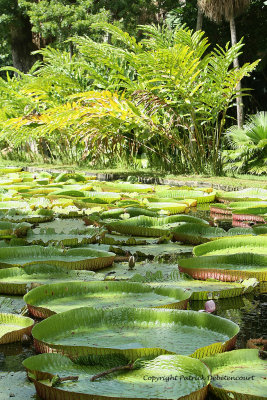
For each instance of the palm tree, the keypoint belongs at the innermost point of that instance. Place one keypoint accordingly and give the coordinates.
(217, 10)
(199, 19)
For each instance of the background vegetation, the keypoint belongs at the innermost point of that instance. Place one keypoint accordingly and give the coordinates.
(103, 83)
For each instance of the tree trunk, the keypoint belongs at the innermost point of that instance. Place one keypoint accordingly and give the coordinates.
(239, 104)
(22, 45)
(199, 20)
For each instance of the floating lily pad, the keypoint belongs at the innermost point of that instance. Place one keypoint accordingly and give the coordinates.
(73, 238)
(17, 281)
(207, 290)
(198, 233)
(78, 258)
(134, 332)
(243, 195)
(150, 226)
(239, 374)
(18, 216)
(126, 240)
(224, 246)
(231, 267)
(8, 205)
(191, 383)
(143, 269)
(13, 327)
(46, 300)
(153, 250)
(64, 226)
(126, 187)
(9, 229)
(172, 208)
(201, 197)
(16, 385)
(131, 211)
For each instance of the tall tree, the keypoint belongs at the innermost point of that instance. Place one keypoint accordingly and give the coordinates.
(199, 19)
(15, 30)
(57, 20)
(217, 10)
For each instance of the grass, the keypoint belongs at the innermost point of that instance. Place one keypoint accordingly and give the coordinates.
(228, 182)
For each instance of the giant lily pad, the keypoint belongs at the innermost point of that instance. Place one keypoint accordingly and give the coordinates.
(16, 385)
(18, 216)
(134, 332)
(129, 385)
(78, 258)
(243, 195)
(8, 205)
(153, 250)
(231, 267)
(126, 187)
(98, 197)
(198, 233)
(172, 208)
(149, 226)
(207, 290)
(239, 374)
(71, 239)
(131, 211)
(17, 281)
(9, 230)
(46, 300)
(124, 240)
(224, 246)
(201, 197)
(13, 327)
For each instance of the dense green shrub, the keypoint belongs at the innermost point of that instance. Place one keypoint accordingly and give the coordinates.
(249, 154)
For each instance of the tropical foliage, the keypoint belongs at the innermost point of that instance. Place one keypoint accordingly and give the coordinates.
(166, 93)
(249, 154)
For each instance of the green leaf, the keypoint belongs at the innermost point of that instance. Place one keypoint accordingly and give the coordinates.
(58, 297)
(135, 332)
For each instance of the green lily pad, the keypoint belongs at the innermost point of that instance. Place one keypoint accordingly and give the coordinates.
(126, 240)
(239, 374)
(65, 176)
(201, 197)
(58, 297)
(153, 250)
(224, 246)
(143, 271)
(8, 205)
(172, 208)
(131, 211)
(17, 281)
(71, 239)
(13, 327)
(18, 216)
(198, 234)
(16, 385)
(191, 382)
(134, 332)
(64, 226)
(231, 267)
(9, 229)
(78, 258)
(207, 290)
(150, 226)
(243, 195)
(126, 187)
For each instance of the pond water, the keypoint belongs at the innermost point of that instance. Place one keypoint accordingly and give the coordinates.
(249, 312)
